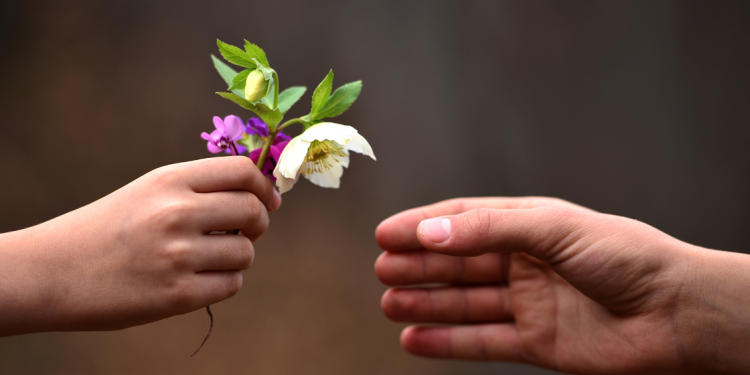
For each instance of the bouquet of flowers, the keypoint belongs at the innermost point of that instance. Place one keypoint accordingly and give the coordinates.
(319, 153)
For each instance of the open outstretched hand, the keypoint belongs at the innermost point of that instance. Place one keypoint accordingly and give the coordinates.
(545, 282)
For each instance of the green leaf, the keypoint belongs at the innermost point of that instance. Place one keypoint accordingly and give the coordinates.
(235, 55)
(288, 97)
(320, 96)
(252, 142)
(226, 73)
(224, 70)
(239, 80)
(341, 100)
(253, 51)
(269, 116)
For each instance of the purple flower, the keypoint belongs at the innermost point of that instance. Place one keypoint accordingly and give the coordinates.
(256, 127)
(273, 156)
(224, 136)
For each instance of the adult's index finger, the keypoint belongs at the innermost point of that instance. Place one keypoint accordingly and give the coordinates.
(399, 232)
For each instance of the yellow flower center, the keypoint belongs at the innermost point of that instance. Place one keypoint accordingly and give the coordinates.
(317, 158)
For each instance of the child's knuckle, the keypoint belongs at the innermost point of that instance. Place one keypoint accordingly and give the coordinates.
(233, 284)
(253, 209)
(173, 214)
(247, 253)
(181, 296)
(177, 255)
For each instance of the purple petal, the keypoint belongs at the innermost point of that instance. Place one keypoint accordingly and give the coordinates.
(268, 167)
(206, 136)
(219, 124)
(257, 126)
(281, 137)
(216, 135)
(233, 127)
(281, 146)
(213, 148)
(240, 148)
(255, 155)
(276, 153)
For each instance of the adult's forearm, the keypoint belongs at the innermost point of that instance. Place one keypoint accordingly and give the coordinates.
(712, 318)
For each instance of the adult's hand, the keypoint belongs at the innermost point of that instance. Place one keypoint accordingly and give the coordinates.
(549, 283)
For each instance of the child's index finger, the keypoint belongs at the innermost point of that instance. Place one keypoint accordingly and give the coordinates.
(229, 173)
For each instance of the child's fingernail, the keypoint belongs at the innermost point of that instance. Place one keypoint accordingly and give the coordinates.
(435, 230)
(276, 202)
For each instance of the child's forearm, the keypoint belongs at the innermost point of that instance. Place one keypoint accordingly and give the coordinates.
(25, 299)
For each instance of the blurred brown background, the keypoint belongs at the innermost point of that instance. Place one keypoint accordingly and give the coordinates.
(637, 108)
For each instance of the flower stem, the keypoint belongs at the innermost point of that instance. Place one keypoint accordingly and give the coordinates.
(276, 91)
(266, 149)
(233, 148)
(290, 122)
(210, 328)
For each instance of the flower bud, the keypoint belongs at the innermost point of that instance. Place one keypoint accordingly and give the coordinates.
(256, 86)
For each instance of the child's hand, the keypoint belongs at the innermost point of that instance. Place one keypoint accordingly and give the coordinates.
(549, 283)
(140, 254)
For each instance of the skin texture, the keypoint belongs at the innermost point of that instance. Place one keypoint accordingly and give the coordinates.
(545, 282)
(140, 254)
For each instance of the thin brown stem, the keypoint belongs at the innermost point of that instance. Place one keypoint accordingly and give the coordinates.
(210, 328)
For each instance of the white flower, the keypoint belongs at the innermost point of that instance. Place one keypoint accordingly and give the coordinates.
(320, 154)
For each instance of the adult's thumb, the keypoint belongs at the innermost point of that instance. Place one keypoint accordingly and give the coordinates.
(550, 233)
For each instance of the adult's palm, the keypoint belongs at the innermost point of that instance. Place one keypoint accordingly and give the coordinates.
(534, 280)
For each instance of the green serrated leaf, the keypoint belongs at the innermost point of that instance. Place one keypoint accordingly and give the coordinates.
(235, 55)
(288, 97)
(271, 117)
(341, 100)
(253, 51)
(239, 80)
(226, 72)
(320, 96)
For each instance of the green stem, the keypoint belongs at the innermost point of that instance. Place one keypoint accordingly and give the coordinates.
(271, 136)
(276, 91)
(290, 122)
(266, 148)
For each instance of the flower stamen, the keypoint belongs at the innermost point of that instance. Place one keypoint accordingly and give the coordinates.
(316, 160)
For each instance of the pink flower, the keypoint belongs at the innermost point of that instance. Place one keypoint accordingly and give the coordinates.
(224, 136)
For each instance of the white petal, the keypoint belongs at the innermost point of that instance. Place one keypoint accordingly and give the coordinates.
(359, 144)
(344, 159)
(292, 158)
(330, 131)
(330, 178)
(284, 184)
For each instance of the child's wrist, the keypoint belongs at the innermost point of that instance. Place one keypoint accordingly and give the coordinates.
(24, 288)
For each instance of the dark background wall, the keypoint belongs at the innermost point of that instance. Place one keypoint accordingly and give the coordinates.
(637, 108)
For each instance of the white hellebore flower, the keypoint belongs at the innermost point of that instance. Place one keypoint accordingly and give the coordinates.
(320, 154)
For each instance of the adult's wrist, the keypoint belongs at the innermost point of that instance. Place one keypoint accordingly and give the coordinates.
(712, 314)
